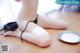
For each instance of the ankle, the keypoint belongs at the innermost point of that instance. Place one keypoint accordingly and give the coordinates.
(31, 17)
(28, 17)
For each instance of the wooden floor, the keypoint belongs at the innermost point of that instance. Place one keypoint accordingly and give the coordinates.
(73, 20)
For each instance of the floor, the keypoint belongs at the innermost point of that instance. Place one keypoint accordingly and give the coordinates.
(15, 44)
(73, 20)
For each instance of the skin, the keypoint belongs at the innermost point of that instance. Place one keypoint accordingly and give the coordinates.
(29, 12)
(43, 40)
(34, 33)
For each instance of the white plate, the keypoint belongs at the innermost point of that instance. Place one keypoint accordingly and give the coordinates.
(70, 37)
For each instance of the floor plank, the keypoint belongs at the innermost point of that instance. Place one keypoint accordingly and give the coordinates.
(73, 20)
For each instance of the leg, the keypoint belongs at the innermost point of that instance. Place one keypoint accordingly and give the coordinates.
(39, 33)
(42, 41)
(52, 20)
(29, 12)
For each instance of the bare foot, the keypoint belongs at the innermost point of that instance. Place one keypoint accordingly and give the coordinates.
(51, 21)
(40, 40)
(37, 33)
